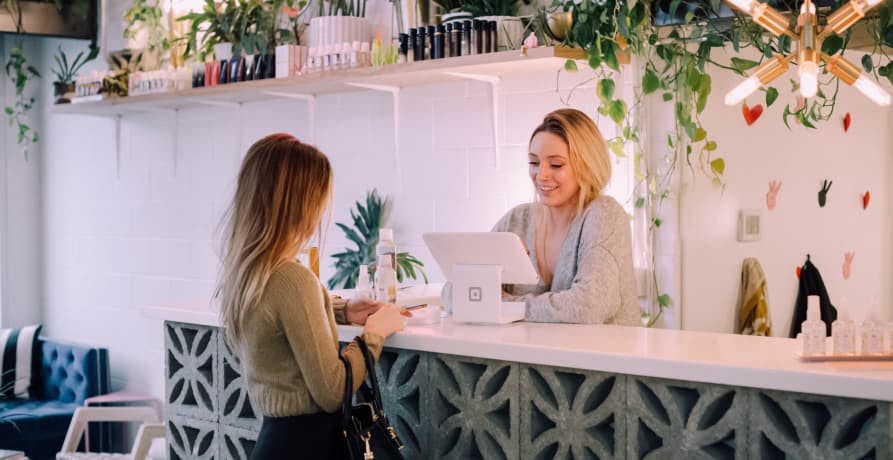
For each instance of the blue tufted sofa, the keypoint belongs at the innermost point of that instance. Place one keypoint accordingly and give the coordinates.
(69, 374)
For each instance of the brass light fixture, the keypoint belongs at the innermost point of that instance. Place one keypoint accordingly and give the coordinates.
(808, 57)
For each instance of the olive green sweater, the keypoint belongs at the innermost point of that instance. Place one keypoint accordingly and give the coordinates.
(289, 346)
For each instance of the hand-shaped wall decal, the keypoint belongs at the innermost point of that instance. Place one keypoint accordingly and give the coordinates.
(848, 264)
(866, 198)
(774, 187)
(823, 193)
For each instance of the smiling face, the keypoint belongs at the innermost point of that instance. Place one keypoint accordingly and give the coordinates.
(551, 171)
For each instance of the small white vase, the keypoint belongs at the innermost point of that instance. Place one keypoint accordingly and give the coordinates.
(223, 51)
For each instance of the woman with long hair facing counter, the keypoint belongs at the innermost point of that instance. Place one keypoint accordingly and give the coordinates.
(277, 316)
(579, 239)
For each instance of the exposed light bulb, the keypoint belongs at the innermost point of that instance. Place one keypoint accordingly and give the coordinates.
(745, 5)
(740, 92)
(872, 3)
(872, 90)
(809, 78)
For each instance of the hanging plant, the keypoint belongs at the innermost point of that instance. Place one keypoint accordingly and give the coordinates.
(19, 71)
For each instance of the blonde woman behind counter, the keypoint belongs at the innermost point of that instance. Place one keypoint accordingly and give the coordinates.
(579, 239)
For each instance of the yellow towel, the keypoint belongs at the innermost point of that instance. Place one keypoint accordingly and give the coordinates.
(753, 308)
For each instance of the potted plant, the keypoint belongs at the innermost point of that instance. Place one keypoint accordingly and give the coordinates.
(65, 71)
(290, 53)
(146, 31)
(212, 31)
(367, 220)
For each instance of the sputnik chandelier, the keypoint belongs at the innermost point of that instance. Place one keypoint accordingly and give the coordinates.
(809, 54)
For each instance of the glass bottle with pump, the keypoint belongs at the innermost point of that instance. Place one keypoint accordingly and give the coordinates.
(813, 329)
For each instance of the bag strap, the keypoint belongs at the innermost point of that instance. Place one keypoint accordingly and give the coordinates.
(347, 399)
(370, 374)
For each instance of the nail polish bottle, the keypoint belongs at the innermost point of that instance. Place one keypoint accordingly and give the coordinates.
(429, 52)
(457, 38)
(812, 335)
(485, 32)
(422, 44)
(494, 39)
(403, 55)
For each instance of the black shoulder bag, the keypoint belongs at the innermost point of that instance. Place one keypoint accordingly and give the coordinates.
(367, 432)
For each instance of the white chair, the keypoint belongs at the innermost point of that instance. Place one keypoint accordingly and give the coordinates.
(149, 430)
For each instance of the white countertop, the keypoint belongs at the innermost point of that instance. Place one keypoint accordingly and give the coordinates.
(728, 359)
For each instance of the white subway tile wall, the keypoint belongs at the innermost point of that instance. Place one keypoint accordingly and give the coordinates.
(139, 229)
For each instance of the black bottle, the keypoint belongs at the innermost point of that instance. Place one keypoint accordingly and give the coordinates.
(439, 41)
(478, 37)
(450, 48)
(223, 77)
(422, 44)
(457, 38)
(403, 51)
(485, 32)
(467, 46)
(414, 44)
(494, 39)
(430, 49)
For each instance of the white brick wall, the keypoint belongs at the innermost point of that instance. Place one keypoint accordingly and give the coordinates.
(139, 230)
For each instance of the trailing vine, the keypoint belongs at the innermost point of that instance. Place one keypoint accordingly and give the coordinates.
(19, 71)
(674, 62)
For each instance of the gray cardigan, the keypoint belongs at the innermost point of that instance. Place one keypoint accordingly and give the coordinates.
(593, 280)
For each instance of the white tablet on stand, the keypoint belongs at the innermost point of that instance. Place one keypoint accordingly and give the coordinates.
(478, 264)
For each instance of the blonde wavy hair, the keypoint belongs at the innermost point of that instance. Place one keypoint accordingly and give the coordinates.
(586, 147)
(284, 188)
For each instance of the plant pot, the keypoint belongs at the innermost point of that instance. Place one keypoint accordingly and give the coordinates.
(558, 24)
(455, 16)
(509, 31)
(63, 92)
(335, 30)
(223, 51)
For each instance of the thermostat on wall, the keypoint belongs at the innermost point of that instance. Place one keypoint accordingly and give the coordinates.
(749, 225)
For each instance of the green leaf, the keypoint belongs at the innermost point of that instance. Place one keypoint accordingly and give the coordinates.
(771, 96)
(617, 110)
(570, 66)
(743, 64)
(718, 166)
(700, 135)
(867, 63)
(9, 110)
(664, 300)
(668, 97)
(832, 44)
(605, 90)
(616, 145)
(610, 54)
(650, 82)
(640, 202)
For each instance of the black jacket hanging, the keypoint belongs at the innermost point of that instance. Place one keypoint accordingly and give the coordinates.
(811, 284)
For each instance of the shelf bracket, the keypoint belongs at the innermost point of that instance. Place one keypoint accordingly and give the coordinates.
(310, 99)
(118, 146)
(495, 84)
(225, 104)
(395, 99)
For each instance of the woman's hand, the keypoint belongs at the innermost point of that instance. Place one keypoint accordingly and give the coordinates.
(358, 309)
(387, 320)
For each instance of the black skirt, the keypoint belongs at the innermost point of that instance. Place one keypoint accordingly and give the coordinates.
(310, 436)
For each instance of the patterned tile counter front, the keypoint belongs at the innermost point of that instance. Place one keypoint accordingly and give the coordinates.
(464, 407)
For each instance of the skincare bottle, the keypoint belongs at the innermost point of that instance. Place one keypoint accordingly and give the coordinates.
(457, 38)
(843, 333)
(415, 45)
(485, 26)
(439, 42)
(872, 335)
(494, 39)
(478, 37)
(364, 287)
(386, 248)
(385, 281)
(450, 47)
(403, 55)
(466, 38)
(429, 52)
(365, 56)
(813, 329)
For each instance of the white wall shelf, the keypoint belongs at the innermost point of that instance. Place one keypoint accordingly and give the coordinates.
(417, 73)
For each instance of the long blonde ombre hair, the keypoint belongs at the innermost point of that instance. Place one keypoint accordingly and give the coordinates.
(586, 147)
(284, 187)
